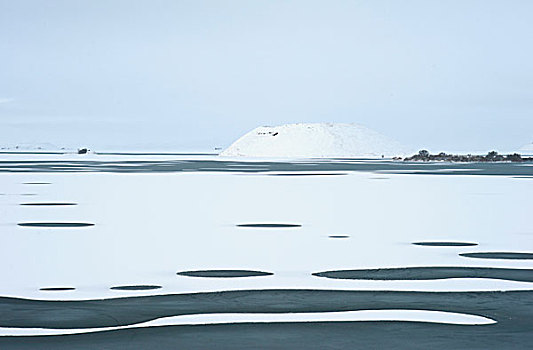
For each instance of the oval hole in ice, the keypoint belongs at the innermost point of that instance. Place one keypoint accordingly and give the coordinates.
(56, 289)
(136, 287)
(445, 244)
(430, 273)
(55, 224)
(46, 204)
(267, 225)
(499, 255)
(224, 273)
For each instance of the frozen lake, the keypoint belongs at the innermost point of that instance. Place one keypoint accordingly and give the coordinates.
(109, 245)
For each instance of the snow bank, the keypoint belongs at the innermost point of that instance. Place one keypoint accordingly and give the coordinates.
(320, 140)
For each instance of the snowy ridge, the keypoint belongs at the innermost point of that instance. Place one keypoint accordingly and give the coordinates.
(319, 140)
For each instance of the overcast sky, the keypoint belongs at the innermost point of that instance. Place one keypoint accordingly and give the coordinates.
(182, 75)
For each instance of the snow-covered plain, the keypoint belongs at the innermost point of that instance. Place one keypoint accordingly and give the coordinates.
(149, 226)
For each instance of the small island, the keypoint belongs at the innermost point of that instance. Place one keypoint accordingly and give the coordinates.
(492, 156)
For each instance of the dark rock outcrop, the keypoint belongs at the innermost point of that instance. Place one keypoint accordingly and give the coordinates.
(492, 156)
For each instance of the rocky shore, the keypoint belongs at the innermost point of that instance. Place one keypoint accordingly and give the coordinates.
(493, 156)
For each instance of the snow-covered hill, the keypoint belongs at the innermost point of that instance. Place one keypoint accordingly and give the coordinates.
(320, 140)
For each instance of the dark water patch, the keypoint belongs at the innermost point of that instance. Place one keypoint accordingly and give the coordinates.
(312, 166)
(445, 244)
(28, 194)
(55, 224)
(269, 225)
(308, 174)
(522, 177)
(132, 310)
(47, 204)
(499, 255)
(339, 236)
(136, 287)
(294, 336)
(56, 289)
(379, 178)
(224, 273)
(431, 273)
(37, 183)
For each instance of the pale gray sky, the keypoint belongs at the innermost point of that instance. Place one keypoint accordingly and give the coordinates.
(181, 75)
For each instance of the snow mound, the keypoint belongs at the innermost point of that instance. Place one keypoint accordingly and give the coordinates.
(320, 140)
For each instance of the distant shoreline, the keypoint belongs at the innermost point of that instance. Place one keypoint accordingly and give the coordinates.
(493, 156)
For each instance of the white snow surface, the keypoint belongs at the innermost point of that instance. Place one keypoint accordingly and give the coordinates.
(318, 140)
(149, 226)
